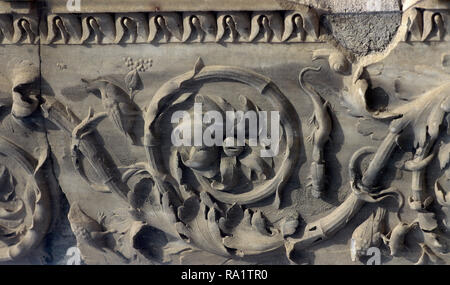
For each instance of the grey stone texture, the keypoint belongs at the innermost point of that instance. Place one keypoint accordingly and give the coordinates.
(354, 6)
(363, 33)
(90, 174)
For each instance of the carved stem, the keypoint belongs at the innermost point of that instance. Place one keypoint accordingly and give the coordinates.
(102, 164)
(380, 159)
(327, 226)
(418, 176)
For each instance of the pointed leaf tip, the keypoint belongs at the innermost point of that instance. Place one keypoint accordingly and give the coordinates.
(133, 80)
(198, 65)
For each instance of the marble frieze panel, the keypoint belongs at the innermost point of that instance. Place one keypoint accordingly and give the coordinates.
(358, 106)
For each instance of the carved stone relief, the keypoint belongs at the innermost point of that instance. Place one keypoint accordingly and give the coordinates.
(87, 157)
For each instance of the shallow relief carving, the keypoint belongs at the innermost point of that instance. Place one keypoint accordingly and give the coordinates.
(27, 185)
(228, 205)
(246, 26)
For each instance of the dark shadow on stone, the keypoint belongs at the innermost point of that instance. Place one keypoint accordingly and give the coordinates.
(377, 99)
(150, 242)
(61, 237)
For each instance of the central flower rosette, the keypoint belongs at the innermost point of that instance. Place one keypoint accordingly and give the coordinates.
(229, 148)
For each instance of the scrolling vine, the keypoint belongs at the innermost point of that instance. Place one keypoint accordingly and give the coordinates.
(223, 222)
(209, 218)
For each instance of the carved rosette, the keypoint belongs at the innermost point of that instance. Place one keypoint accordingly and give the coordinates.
(266, 88)
(213, 198)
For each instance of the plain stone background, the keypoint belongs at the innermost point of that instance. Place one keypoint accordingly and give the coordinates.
(352, 6)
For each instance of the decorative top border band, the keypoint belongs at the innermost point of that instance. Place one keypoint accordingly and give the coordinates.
(161, 27)
(281, 26)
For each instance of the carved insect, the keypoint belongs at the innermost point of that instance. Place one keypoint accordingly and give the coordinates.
(320, 135)
(368, 234)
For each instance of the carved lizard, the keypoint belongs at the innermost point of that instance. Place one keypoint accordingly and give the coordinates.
(320, 136)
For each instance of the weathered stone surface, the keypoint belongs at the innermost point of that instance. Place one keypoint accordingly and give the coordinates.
(91, 173)
(363, 33)
(353, 6)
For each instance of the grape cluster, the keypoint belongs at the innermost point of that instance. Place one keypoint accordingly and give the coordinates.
(141, 65)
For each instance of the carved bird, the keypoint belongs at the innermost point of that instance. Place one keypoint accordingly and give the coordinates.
(117, 102)
(368, 234)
